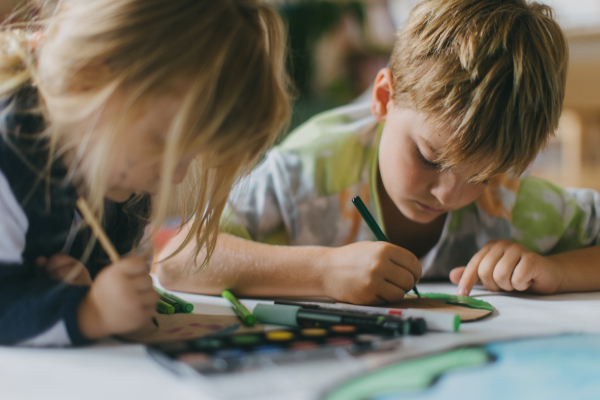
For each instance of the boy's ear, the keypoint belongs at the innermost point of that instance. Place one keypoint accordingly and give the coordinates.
(381, 96)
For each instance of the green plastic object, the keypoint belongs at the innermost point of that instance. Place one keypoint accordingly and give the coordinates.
(464, 301)
(164, 308)
(186, 307)
(246, 316)
(456, 323)
(408, 376)
(170, 302)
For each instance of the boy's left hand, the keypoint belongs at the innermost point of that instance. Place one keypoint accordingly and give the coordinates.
(63, 267)
(505, 265)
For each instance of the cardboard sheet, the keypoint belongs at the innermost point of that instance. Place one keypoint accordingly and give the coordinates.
(466, 313)
(188, 326)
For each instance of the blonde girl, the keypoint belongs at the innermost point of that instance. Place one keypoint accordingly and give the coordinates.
(114, 101)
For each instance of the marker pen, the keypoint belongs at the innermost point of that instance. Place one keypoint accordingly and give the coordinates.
(436, 320)
(280, 314)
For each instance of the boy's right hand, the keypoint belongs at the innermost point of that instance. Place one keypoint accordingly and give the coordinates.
(121, 299)
(370, 273)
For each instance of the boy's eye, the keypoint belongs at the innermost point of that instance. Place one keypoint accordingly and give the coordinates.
(426, 162)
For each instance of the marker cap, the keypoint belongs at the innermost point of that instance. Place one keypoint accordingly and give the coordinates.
(276, 314)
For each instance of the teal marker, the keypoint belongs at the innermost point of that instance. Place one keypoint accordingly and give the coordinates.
(364, 212)
(246, 316)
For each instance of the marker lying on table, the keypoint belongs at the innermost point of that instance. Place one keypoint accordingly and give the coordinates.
(164, 308)
(436, 320)
(246, 316)
(297, 316)
(366, 215)
(170, 298)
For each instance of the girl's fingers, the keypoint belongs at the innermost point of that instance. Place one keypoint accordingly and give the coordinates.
(150, 298)
(133, 266)
(142, 283)
(470, 274)
(60, 260)
(41, 262)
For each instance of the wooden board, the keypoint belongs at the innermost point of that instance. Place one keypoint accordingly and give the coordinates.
(188, 326)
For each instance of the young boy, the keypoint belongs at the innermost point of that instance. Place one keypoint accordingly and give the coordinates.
(474, 91)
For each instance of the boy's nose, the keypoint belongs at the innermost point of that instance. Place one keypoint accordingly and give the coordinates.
(448, 189)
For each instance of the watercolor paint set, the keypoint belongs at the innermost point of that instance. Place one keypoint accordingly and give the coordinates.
(242, 352)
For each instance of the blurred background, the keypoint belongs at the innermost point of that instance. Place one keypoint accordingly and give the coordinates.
(336, 48)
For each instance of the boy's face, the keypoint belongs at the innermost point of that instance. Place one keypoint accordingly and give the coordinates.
(408, 149)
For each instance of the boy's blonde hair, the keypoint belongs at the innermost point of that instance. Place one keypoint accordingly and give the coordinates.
(494, 71)
(228, 55)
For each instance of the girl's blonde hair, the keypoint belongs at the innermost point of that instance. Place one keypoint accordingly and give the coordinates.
(229, 54)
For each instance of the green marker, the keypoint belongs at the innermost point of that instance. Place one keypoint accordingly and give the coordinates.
(364, 212)
(164, 308)
(185, 306)
(246, 316)
(171, 302)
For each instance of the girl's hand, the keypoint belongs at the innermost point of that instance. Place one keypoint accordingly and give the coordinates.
(120, 300)
(505, 265)
(63, 267)
(370, 273)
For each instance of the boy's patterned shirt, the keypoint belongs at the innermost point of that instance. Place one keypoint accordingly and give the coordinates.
(301, 195)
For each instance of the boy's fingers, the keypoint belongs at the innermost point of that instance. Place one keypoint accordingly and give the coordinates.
(487, 266)
(470, 274)
(522, 277)
(390, 292)
(405, 259)
(399, 277)
(504, 269)
(456, 274)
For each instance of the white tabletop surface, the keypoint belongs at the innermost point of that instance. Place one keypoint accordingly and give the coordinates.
(112, 370)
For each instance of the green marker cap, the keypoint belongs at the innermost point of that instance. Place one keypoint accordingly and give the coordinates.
(277, 314)
(456, 323)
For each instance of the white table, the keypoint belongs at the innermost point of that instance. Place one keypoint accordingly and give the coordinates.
(112, 370)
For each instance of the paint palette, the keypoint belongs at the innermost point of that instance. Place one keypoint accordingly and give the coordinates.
(218, 354)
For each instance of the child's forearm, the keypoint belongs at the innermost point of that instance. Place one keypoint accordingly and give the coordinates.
(581, 270)
(246, 267)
